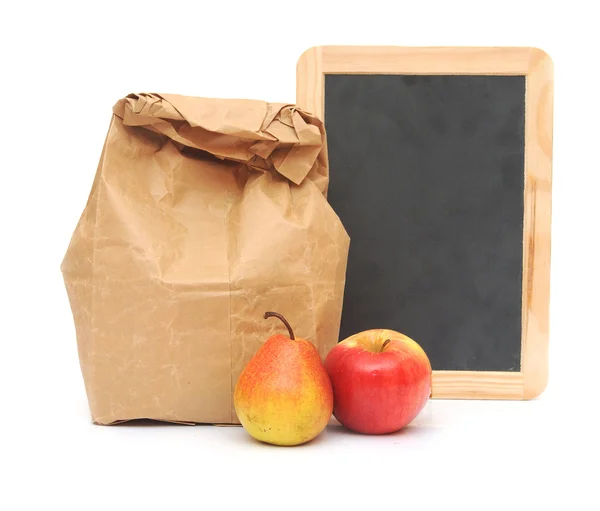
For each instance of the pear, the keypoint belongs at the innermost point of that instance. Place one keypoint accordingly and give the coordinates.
(284, 395)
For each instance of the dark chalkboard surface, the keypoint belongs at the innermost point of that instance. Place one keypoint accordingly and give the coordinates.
(441, 171)
(427, 176)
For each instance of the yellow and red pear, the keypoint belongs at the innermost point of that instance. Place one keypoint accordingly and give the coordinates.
(284, 396)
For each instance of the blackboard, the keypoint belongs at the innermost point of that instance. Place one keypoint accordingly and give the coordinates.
(429, 174)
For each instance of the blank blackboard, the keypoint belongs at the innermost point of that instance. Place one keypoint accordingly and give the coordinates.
(427, 176)
(440, 170)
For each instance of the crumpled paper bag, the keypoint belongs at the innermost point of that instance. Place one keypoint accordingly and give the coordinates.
(203, 214)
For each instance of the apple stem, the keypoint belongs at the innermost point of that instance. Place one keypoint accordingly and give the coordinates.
(386, 342)
(284, 321)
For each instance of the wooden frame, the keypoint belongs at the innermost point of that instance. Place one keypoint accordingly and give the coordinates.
(537, 67)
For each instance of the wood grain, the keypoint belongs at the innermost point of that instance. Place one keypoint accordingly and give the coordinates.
(537, 66)
(310, 82)
(537, 222)
(477, 385)
(429, 60)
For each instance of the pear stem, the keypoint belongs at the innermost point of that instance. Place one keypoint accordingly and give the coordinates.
(283, 320)
(386, 342)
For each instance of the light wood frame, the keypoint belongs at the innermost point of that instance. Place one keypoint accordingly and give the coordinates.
(537, 68)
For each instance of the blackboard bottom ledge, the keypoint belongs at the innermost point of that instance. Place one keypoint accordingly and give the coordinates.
(478, 385)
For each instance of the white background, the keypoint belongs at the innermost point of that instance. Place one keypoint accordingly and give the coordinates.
(63, 67)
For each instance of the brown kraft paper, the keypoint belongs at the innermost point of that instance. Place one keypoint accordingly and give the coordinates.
(203, 214)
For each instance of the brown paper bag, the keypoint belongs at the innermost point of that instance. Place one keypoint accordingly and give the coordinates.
(204, 214)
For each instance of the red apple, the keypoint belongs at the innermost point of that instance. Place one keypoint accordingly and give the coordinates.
(381, 381)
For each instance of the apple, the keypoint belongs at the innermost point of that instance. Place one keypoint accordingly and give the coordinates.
(381, 381)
